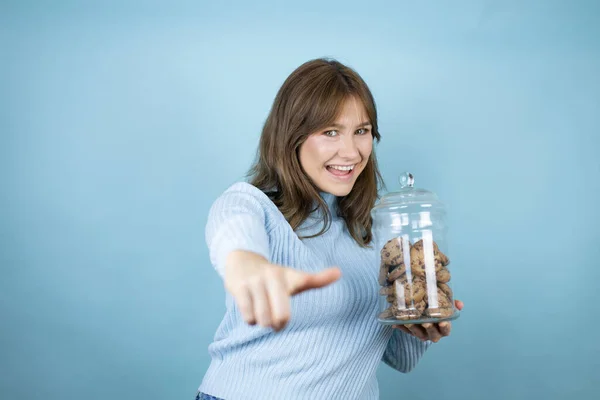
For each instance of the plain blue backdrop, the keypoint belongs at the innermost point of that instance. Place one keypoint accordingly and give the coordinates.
(122, 121)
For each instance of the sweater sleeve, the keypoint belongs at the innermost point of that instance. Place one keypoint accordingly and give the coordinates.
(404, 351)
(236, 221)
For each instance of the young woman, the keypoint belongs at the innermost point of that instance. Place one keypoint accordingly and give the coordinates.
(293, 246)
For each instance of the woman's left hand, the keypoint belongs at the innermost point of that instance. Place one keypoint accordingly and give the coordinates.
(430, 331)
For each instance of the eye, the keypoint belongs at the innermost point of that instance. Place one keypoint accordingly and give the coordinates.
(362, 131)
(330, 133)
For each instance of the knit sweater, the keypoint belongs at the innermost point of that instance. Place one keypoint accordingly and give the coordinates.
(333, 343)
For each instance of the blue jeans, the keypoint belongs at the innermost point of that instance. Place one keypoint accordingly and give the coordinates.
(204, 396)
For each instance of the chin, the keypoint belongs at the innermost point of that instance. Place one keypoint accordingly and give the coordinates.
(338, 190)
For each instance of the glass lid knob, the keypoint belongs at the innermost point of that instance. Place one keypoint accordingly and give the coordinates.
(406, 180)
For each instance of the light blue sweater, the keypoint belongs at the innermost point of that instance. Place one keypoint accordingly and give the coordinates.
(333, 344)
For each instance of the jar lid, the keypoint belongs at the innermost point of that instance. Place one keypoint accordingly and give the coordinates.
(408, 195)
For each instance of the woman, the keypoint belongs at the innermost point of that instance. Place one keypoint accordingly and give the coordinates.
(296, 328)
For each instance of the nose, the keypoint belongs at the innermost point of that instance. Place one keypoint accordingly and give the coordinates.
(348, 148)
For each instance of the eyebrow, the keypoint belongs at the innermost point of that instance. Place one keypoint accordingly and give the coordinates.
(342, 126)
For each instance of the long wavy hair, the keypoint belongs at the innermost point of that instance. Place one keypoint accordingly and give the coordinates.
(309, 100)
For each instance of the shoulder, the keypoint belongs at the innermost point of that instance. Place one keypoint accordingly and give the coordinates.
(245, 190)
(243, 195)
(242, 187)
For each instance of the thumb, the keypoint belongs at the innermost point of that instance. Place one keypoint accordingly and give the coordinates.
(300, 281)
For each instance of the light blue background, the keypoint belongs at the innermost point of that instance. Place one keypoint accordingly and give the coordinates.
(121, 122)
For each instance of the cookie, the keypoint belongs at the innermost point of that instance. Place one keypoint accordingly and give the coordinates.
(443, 275)
(419, 251)
(421, 306)
(417, 290)
(442, 300)
(398, 272)
(443, 258)
(383, 274)
(419, 244)
(439, 312)
(446, 289)
(387, 313)
(408, 313)
(392, 252)
(387, 290)
(418, 265)
(406, 292)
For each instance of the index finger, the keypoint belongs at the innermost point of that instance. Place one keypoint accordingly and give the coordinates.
(459, 304)
(279, 301)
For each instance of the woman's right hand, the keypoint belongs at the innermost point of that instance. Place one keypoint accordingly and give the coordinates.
(262, 290)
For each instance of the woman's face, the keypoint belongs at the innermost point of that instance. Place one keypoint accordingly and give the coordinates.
(335, 156)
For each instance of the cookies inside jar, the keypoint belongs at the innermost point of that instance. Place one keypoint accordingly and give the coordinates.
(414, 278)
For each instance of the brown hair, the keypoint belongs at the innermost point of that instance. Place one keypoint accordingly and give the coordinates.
(309, 100)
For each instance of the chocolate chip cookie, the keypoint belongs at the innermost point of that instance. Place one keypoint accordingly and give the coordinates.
(405, 292)
(446, 289)
(396, 273)
(443, 275)
(438, 256)
(392, 252)
(409, 312)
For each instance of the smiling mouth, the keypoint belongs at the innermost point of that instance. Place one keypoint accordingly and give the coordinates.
(341, 170)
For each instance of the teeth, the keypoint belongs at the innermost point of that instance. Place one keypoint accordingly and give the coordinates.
(342, 168)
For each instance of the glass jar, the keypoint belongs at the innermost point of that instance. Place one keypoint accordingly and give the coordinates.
(409, 232)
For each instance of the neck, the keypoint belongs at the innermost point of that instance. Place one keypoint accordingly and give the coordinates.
(331, 204)
(314, 222)
(330, 200)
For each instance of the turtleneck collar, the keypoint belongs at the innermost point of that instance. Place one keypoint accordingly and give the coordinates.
(330, 200)
(331, 204)
(314, 222)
